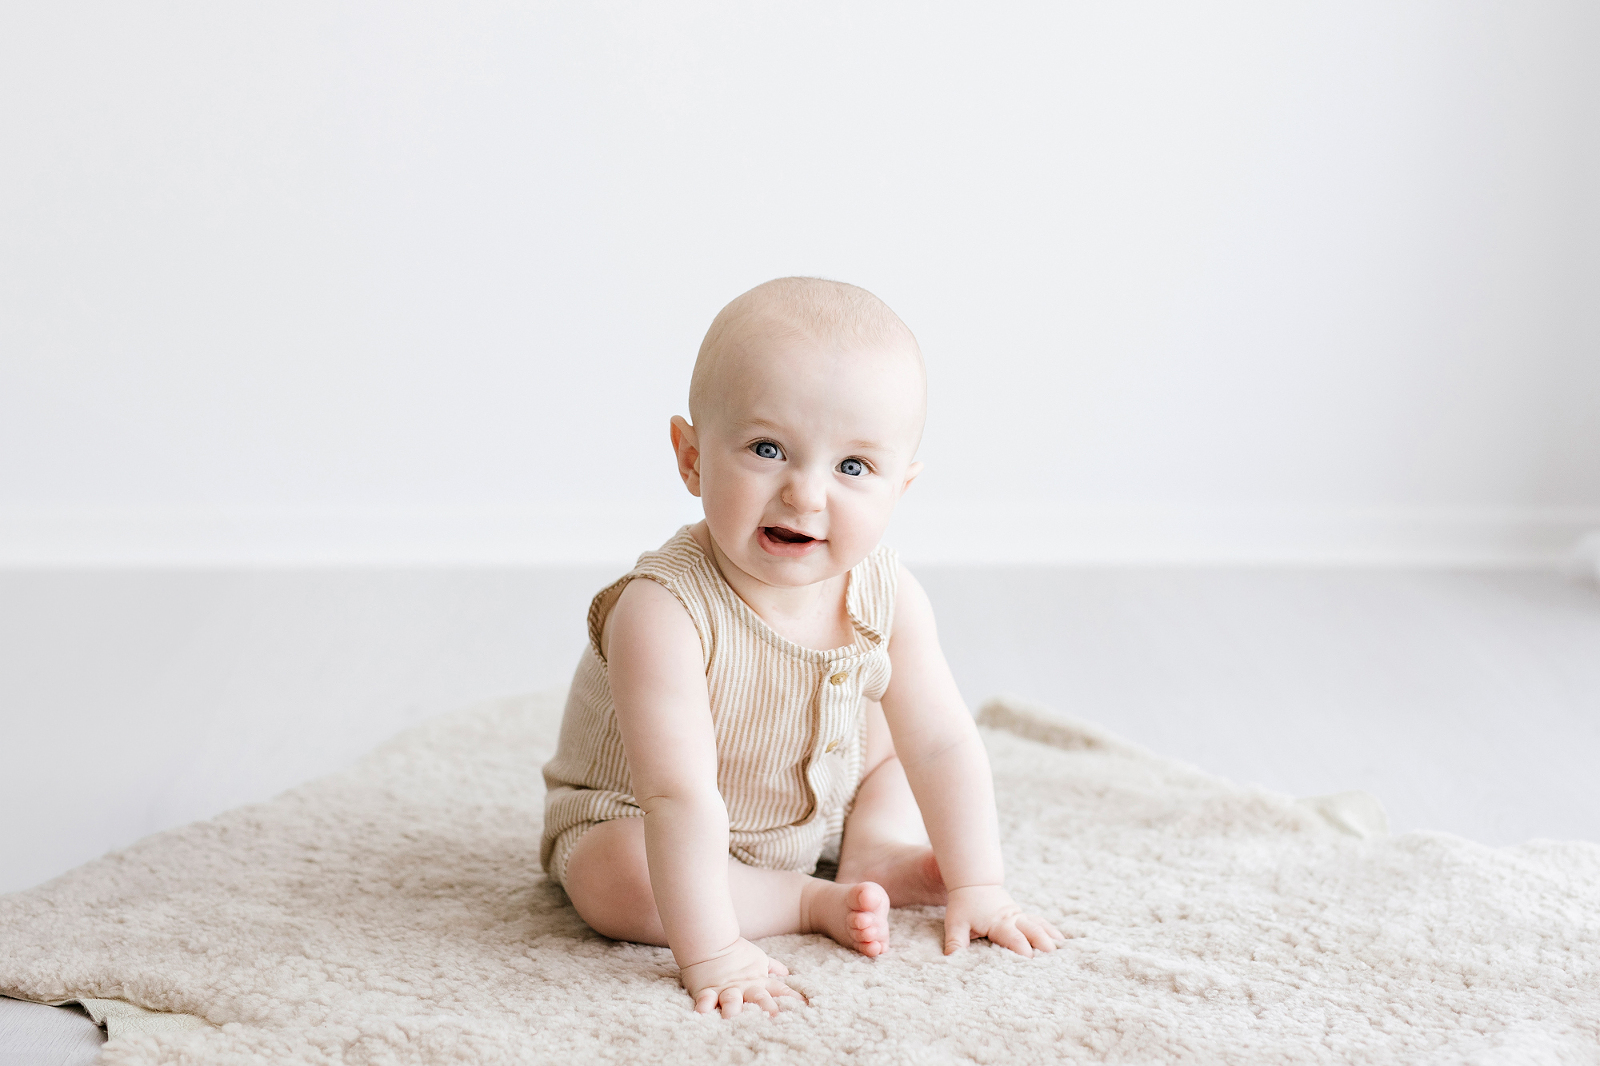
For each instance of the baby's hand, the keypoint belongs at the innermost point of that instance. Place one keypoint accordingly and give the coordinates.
(988, 910)
(742, 974)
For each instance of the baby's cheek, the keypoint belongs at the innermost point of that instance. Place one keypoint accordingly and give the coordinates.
(730, 501)
(861, 523)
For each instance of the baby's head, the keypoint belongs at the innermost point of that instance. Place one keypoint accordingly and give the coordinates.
(807, 403)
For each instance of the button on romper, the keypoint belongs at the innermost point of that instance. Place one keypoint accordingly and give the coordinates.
(788, 719)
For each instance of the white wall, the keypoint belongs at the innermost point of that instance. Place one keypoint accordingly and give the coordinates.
(291, 282)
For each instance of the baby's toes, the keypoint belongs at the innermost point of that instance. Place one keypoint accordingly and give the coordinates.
(869, 917)
(869, 896)
(872, 941)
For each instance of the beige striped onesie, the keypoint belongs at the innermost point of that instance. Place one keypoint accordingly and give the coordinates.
(788, 719)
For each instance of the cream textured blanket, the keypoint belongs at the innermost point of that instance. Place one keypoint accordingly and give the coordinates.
(394, 913)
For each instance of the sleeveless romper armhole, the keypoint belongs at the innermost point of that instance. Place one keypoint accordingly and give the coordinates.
(870, 600)
(605, 601)
(600, 609)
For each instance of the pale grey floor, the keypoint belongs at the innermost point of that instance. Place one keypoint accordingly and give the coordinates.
(135, 701)
(32, 1034)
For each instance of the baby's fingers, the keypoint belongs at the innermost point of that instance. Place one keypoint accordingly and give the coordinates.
(705, 1001)
(731, 1001)
(956, 935)
(1042, 935)
(776, 968)
(778, 988)
(1007, 935)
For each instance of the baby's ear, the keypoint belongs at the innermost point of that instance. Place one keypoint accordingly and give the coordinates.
(911, 475)
(686, 446)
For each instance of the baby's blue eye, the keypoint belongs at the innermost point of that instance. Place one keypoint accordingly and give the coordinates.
(767, 450)
(853, 467)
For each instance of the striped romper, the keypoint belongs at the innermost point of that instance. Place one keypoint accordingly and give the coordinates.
(788, 719)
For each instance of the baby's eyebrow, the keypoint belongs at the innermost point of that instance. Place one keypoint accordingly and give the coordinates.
(755, 423)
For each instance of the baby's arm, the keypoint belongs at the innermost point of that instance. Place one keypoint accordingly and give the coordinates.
(948, 768)
(658, 685)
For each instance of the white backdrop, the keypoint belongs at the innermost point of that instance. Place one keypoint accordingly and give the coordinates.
(389, 282)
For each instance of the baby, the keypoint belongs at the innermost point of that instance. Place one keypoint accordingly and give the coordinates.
(774, 694)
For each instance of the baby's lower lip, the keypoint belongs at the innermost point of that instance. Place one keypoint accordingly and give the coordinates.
(773, 546)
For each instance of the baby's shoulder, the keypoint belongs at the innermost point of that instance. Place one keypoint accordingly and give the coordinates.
(644, 610)
(913, 610)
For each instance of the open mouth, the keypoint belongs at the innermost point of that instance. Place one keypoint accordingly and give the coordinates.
(783, 541)
(785, 535)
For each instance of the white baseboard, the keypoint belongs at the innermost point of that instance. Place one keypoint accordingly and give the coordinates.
(924, 532)
(329, 536)
(1255, 536)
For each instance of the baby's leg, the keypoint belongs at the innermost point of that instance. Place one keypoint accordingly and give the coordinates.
(608, 881)
(884, 838)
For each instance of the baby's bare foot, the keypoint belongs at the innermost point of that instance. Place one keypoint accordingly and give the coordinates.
(857, 915)
(908, 872)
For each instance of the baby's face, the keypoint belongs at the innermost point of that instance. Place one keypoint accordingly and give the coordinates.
(803, 455)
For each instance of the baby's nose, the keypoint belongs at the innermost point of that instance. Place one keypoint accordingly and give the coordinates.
(806, 492)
